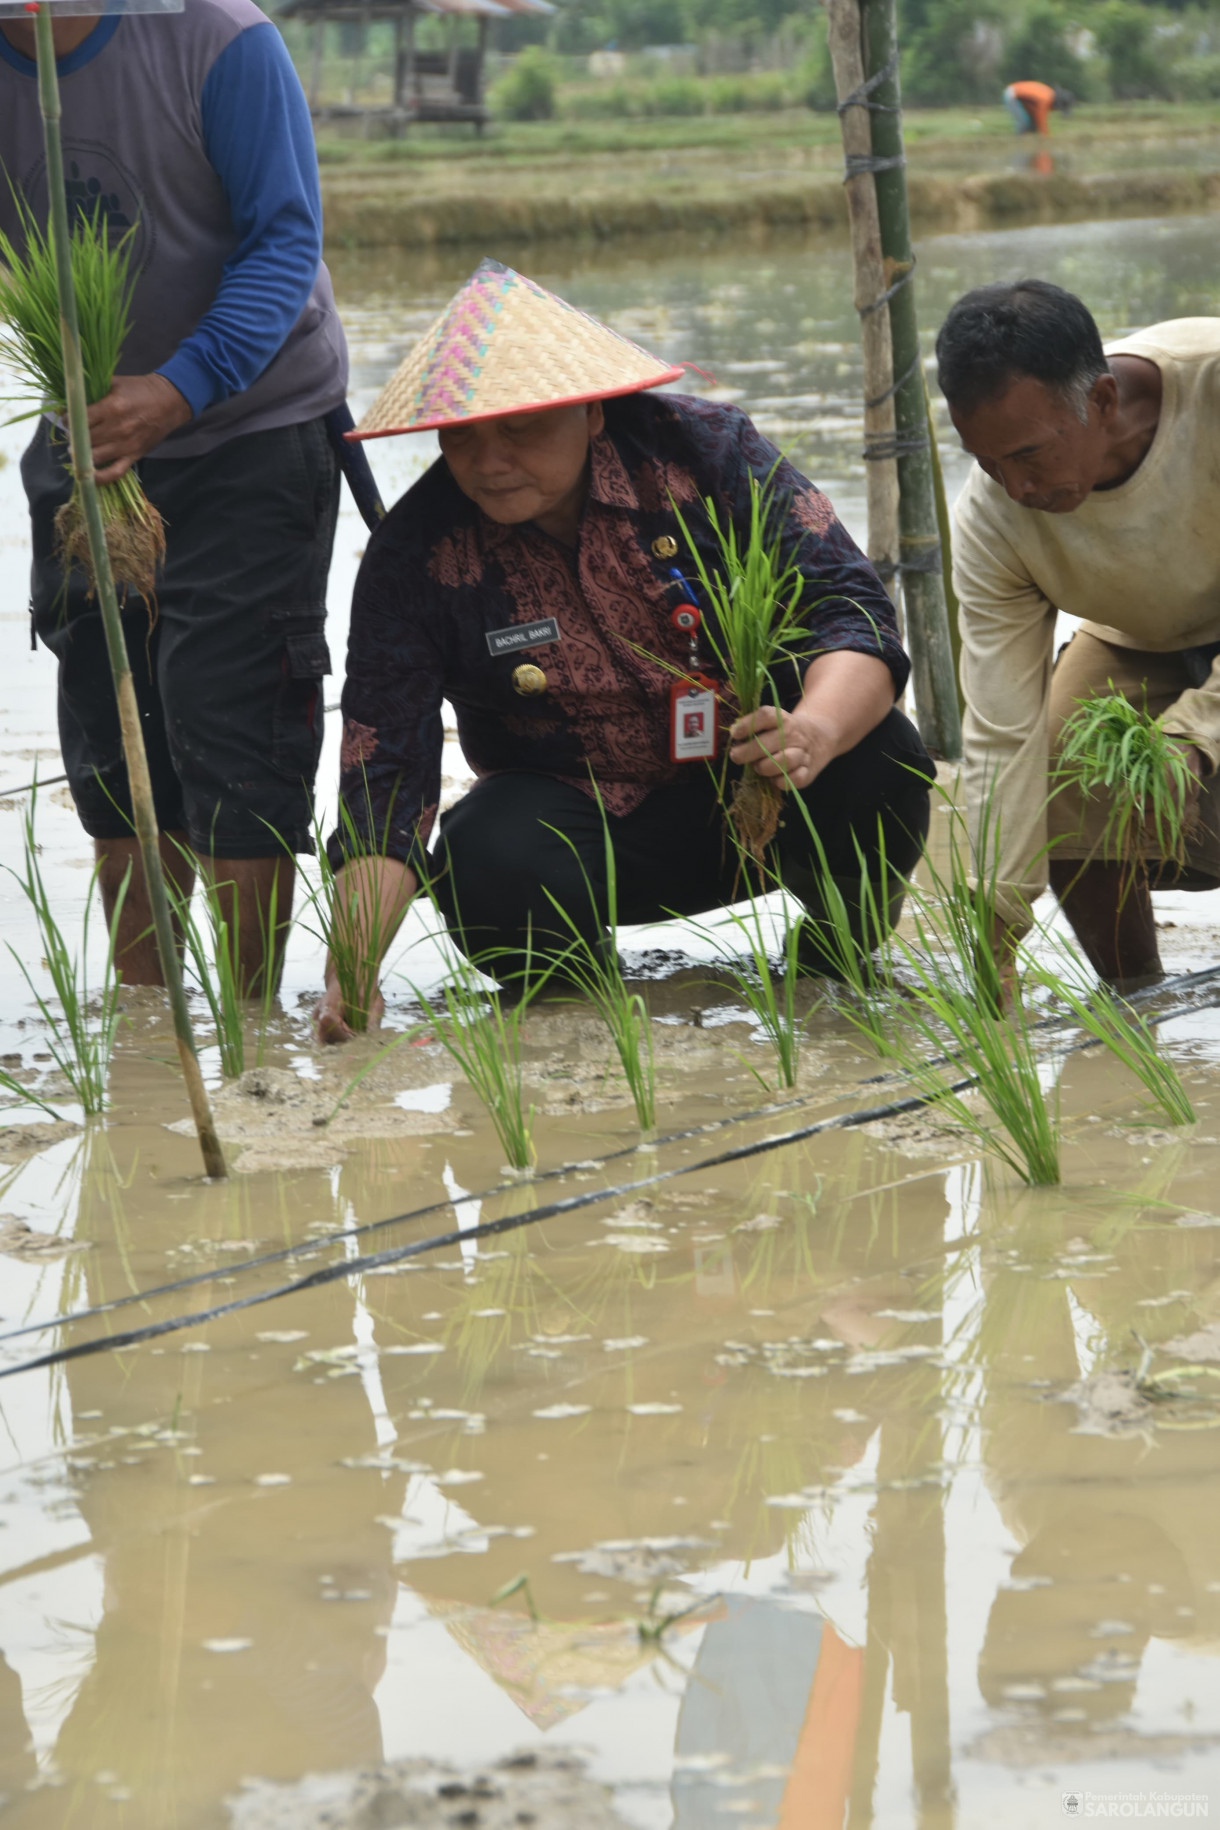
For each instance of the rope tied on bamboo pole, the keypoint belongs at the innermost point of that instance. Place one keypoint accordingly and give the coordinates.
(929, 560)
(893, 445)
(860, 96)
(856, 164)
(904, 279)
(879, 400)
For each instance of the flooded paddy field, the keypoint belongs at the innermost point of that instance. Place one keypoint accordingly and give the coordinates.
(841, 1481)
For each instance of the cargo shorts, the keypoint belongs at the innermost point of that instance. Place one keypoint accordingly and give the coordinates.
(228, 663)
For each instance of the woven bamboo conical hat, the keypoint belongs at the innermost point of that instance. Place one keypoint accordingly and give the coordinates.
(505, 345)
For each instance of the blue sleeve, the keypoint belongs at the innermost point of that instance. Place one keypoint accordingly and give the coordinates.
(259, 139)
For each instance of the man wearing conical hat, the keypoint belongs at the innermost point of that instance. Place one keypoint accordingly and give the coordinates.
(548, 577)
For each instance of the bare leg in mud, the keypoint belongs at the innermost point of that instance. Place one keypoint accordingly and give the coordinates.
(1111, 916)
(249, 881)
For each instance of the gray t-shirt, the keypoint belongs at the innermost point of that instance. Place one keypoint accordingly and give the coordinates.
(192, 128)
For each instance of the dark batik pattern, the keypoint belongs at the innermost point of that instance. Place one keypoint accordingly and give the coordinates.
(438, 576)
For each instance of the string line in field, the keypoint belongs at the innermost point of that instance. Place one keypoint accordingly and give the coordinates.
(490, 1229)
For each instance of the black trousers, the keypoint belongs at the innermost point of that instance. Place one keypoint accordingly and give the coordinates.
(517, 836)
(228, 667)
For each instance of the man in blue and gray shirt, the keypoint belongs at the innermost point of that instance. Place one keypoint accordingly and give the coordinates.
(191, 129)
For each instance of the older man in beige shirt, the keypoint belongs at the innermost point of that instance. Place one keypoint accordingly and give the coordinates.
(1097, 492)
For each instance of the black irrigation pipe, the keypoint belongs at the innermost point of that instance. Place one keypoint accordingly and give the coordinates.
(416, 1213)
(769, 1110)
(490, 1229)
(282, 1253)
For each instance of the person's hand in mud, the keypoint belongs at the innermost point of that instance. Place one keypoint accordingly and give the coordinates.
(138, 412)
(333, 1019)
(371, 895)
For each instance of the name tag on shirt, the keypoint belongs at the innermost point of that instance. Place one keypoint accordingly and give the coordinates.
(692, 720)
(523, 635)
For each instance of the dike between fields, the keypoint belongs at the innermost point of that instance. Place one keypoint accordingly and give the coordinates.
(374, 208)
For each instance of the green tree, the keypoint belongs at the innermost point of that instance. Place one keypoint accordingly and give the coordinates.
(1124, 33)
(1039, 52)
(526, 91)
(952, 47)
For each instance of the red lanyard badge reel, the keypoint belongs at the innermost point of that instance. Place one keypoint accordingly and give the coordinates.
(693, 724)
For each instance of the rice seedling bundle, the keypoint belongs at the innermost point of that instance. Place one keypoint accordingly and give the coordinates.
(1112, 747)
(29, 308)
(756, 602)
(356, 929)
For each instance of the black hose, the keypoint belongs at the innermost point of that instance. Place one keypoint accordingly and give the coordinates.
(511, 1223)
(354, 1266)
(543, 1175)
(416, 1213)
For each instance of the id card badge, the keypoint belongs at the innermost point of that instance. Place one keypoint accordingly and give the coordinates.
(692, 720)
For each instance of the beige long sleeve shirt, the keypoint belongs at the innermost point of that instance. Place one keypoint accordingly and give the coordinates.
(1138, 564)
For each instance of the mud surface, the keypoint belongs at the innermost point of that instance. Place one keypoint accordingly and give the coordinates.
(544, 1789)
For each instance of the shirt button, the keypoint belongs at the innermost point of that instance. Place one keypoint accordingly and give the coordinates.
(528, 680)
(664, 547)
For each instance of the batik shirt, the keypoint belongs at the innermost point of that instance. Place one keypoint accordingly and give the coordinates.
(438, 577)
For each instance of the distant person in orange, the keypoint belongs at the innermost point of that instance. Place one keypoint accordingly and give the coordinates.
(1030, 105)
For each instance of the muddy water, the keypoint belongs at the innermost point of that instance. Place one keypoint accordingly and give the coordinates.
(833, 1490)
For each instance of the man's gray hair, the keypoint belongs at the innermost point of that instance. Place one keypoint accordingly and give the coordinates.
(1077, 390)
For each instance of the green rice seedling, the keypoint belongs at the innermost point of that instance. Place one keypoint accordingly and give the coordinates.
(854, 941)
(265, 987)
(998, 1050)
(480, 1029)
(29, 308)
(756, 597)
(212, 953)
(356, 937)
(80, 1039)
(1128, 1036)
(955, 1005)
(1116, 749)
(598, 972)
(518, 1585)
(770, 996)
(24, 1095)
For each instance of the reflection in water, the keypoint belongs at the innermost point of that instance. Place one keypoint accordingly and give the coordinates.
(810, 1409)
(750, 1403)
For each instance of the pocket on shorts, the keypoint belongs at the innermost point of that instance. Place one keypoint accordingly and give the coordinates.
(299, 717)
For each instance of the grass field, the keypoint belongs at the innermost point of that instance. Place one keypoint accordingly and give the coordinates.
(740, 173)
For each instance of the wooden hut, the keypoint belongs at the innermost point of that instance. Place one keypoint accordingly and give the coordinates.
(435, 85)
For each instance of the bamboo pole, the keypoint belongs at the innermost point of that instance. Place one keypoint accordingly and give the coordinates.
(847, 59)
(116, 646)
(923, 591)
(944, 524)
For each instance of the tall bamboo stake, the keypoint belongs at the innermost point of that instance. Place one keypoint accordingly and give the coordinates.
(944, 524)
(923, 590)
(847, 58)
(116, 646)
